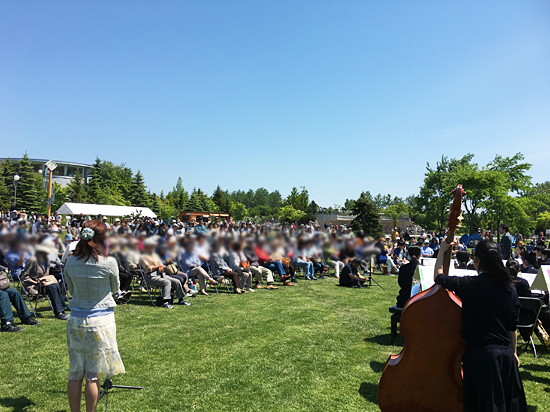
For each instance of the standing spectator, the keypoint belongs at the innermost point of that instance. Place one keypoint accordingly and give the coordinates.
(92, 278)
(505, 242)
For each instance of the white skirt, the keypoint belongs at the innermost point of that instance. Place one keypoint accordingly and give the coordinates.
(93, 350)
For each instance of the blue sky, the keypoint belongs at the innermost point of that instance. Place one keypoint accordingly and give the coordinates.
(335, 96)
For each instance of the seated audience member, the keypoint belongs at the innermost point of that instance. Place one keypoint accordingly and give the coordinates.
(434, 245)
(315, 256)
(239, 264)
(330, 254)
(350, 276)
(200, 228)
(154, 274)
(406, 274)
(133, 254)
(255, 268)
(41, 280)
(399, 254)
(167, 251)
(124, 294)
(348, 253)
(463, 260)
(220, 268)
(382, 258)
(280, 254)
(191, 265)
(301, 260)
(202, 248)
(522, 286)
(529, 260)
(545, 257)
(267, 260)
(13, 296)
(519, 249)
(427, 251)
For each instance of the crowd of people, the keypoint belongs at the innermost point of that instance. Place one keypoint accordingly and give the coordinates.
(181, 260)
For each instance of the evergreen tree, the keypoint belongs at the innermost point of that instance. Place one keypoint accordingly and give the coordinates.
(93, 189)
(7, 171)
(75, 189)
(222, 200)
(27, 191)
(367, 216)
(139, 193)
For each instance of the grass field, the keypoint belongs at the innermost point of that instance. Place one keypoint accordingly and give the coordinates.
(314, 347)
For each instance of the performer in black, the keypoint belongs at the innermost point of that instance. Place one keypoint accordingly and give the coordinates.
(406, 274)
(490, 310)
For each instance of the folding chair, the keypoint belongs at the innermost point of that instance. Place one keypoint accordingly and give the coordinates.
(15, 277)
(529, 315)
(147, 287)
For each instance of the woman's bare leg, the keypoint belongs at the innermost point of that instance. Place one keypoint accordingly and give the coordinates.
(91, 393)
(74, 391)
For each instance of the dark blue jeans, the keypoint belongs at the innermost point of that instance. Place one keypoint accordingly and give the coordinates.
(56, 297)
(276, 266)
(13, 296)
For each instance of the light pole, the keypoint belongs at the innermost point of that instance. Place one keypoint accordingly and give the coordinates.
(15, 180)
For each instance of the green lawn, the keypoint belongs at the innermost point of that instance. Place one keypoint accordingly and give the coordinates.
(314, 347)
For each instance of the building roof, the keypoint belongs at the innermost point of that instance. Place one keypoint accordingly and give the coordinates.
(43, 161)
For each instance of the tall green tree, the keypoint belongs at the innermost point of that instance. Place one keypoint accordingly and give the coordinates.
(75, 189)
(367, 217)
(29, 195)
(139, 191)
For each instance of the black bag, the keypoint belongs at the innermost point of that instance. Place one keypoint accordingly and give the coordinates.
(4, 281)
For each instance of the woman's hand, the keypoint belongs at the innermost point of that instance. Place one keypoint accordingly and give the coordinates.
(445, 246)
(517, 359)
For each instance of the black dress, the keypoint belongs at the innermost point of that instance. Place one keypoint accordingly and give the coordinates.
(405, 281)
(492, 382)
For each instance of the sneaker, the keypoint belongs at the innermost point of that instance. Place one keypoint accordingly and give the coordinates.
(30, 321)
(184, 303)
(322, 277)
(8, 327)
(251, 290)
(313, 277)
(167, 305)
(124, 297)
(189, 295)
(62, 316)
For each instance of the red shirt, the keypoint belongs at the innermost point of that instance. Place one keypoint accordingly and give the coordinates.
(263, 256)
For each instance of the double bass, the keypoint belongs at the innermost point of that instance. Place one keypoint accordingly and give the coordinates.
(427, 375)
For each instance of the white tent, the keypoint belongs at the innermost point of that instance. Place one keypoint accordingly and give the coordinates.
(105, 210)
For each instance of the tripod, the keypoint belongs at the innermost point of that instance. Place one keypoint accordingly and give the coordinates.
(108, 384)
(368, 273)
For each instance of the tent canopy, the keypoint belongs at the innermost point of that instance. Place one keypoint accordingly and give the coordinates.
(105, 210)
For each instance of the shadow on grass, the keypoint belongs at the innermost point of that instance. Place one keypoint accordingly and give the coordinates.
(385, 340)
(17, 404)
(377, 367)
(369, 391)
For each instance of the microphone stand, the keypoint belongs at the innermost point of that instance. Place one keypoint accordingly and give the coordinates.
(108, 384)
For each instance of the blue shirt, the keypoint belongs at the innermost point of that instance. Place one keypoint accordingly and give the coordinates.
(189, 261)
(427, 251)
(200, 230)
(12, 257)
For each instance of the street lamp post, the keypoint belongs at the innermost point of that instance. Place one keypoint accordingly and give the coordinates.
(15, 180)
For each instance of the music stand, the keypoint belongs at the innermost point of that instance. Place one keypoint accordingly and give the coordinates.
(108, 384)
(370, 271)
